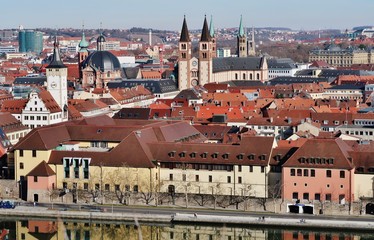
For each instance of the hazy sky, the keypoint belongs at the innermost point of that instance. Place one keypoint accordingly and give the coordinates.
(168, 14)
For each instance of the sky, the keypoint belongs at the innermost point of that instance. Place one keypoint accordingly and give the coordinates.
(168, 14)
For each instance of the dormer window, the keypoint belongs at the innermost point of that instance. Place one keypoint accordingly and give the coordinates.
(360, 169)
(251, 156)
(302, 160)
(215, 155)
(193, 155)
(172, 154)
(204, 155)
(182, 154)
(277, 157)
(240, 156)
(330, 161)
(262, 157)
(225, 156)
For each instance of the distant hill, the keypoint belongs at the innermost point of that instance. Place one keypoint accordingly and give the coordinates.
(361, 27)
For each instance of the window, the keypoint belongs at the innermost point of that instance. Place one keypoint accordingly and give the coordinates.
(317, 196)
(295, 195)
(196, 178)
(116, 187)
(239, 179)
(239, 168)
(85, 186)
(35, 178)
(184, 177)
(136, 188)
(328, 197)
(292, 172)
(306, 196)
(97, 186)
(107, 187)
(250, 168)
(240, 157)
(171, 177)
(210, 178)
(312, 173)
(328, 173)
(21, 153)
(262, 169)
(228, 179)
(299, 172)
(251, 157)
(342, 174)
(306, 172)
(33, 153)
(21, 165)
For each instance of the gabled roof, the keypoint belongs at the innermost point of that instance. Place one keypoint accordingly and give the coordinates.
(237, 64)
(322, 149)
(42, 170)
(49, 102)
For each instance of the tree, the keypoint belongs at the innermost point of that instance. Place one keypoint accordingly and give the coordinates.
(275, 193)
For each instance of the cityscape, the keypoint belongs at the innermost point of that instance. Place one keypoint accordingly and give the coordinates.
(178, 128)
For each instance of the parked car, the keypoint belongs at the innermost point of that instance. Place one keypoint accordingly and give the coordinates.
(7, 204)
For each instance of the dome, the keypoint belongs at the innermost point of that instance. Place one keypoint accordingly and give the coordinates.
(83, 43)
(103, 61)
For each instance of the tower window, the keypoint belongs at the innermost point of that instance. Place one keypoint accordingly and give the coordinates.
(184, 55)
(184, 46)
(204, 55)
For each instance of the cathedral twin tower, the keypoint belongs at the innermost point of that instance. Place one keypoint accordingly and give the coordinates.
(194, 71)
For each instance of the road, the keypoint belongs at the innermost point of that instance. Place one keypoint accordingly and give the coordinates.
(168, 211)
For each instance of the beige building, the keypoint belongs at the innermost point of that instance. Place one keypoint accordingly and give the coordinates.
(338, 57)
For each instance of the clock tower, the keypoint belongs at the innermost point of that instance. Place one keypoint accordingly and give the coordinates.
(57, 74)
(184, 58)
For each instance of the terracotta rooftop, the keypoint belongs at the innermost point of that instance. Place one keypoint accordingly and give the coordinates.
(42, 170)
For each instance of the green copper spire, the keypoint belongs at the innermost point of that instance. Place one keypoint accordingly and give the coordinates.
(241, 29)
(83, 44)
(211, 27)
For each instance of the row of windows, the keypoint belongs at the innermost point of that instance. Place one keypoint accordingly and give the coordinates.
(197, 178)
(21, 153)
(317, 160)
(305, 173)
(245, 76)
(362, 133)
(37, 118)
(107, 187)
(216, 155)
(317, 196)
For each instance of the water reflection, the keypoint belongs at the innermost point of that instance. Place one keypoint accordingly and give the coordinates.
(79, 230)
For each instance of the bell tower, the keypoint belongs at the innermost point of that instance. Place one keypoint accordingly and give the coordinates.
(242, 41)
(213, 38)
(205, 55)
(83, 52)
(184, 58)
(57, 74)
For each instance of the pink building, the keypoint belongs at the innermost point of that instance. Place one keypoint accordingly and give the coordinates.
(40, 180)
(321, 169)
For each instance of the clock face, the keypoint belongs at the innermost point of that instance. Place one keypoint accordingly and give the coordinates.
(194, 63)
(53, 84)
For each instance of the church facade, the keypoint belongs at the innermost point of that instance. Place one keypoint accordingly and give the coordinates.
(207, 68)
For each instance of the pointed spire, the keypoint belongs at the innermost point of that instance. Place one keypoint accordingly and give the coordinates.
(185, 35)
(211, 27)
(205, 35)
(83, 44)
(241, 28)
(56, 59)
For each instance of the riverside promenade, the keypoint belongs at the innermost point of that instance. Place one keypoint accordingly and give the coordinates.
(191, 216)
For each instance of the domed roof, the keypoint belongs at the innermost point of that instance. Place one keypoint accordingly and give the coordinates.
(103, 61)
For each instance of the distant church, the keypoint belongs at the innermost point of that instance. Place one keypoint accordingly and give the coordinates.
(207, 68)
(96, 69)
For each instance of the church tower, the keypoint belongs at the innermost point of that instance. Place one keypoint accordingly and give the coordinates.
(242, 41)
(252, 44)
(184, 58)
(83, 53)
(205, 55)
(213, 38)
(57, 74)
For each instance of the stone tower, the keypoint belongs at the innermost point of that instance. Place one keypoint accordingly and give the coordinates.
(242, 41)
(205, 55)
(184, 58)
(57, 74)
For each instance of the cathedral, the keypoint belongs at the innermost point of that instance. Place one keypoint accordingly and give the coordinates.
(207, 68)
(96, 69)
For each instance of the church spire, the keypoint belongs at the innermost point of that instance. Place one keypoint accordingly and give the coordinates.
(83, 44)
(211, 27)
(241, 28)
(56, 59)
(185, 35)
(205, 35)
